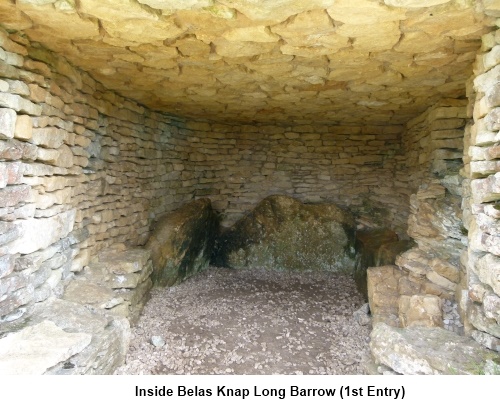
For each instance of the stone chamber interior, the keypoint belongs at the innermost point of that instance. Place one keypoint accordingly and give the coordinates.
(126, 124)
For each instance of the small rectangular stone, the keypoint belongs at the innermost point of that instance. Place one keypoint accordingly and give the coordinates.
(19, 104)
(24, 127)
(12, 195)
(49, 137)
(7, 263)
(7, 123)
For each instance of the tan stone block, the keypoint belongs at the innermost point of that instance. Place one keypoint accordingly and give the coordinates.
(278, 10)
(253, 34)
(232, 49)
(116, 10)
(177, 5)
(420, 42)
(363, 12)
(132, 31)
(420, 310)
(371, 38)
(8, 119)
(24, 127)
(415, 3)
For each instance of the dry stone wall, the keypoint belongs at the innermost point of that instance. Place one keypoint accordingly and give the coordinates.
(481, 300)
(80, 169)
(353, 166)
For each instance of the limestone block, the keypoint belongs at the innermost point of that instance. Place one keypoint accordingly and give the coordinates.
(383, 293)
(177, 5)
(481, 169)
(487, 269)
(10, 173)
(445, 269)
(485, 190)
(363, 12)
(88, 293)
(478, 318)
(7, 123)
(441, 281)
(492, 7)
(7, 263)
(182, 241)
(491, 305)
(110, 335)
(39, 233)
(12, 195)
(35, 349)
(383, 36)
(49, 137)
(369, 243)
(415, 260)
(277, 11)
(129, 30)
(429, 351)
(414, 3)
(124, 262)
(253, 34)
(24, 127)
(232, 49)
(486, 340)
(420, 310)
(19, 104)
(116, 10)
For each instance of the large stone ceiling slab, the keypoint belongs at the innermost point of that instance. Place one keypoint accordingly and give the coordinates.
(359, 61)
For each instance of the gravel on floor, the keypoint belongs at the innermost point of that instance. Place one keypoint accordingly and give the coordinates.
(226, 321)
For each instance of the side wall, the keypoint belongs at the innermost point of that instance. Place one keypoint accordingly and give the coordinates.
(481, 208)
(80, 169)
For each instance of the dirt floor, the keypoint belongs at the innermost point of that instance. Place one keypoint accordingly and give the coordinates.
(251, 322)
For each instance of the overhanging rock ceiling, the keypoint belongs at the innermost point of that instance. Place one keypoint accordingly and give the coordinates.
(327, 61)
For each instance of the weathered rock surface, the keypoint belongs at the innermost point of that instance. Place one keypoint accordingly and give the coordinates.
(110, 336)
(37, 348)
(281, 233)
(420, 310)
(368, 244)
(383, 293)
(182, 242)
(421, 350)
(119, 282)
(207, 59)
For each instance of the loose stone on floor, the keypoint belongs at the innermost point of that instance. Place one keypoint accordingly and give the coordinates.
(251, 322)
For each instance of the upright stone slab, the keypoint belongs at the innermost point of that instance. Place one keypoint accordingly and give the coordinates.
(182, 241)
(281, 233)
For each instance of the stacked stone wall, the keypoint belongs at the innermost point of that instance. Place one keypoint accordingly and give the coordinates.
(353, 166)
(433, 144)
(81, 168)
(481, 298)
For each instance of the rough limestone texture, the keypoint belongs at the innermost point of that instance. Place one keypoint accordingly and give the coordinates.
(182, 242)
(383, 293)
(429, 351)
(281, 233)
(37, 348)
(268, 61)
(420, 310)
(118, 282)
(110, 336)
(481, 298)
(368, 244)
